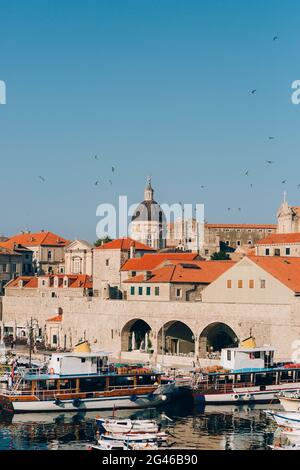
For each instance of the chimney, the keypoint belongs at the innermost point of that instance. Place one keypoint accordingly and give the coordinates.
(147, 275)
(132, 250)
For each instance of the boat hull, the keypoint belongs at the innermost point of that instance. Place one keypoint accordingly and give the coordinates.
(160, 397)
(290, 404)
(244, 395)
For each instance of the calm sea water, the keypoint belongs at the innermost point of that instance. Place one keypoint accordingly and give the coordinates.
(215, 428)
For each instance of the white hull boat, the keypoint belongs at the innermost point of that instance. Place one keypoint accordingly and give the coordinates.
(293, 435)
(286, 419)
(290, 401)
(128, 425)
(136, 438)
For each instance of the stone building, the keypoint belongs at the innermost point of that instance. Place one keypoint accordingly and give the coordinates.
(15, 261)
(79, 258)
(288, 218)
(225, 237)
(279, 244)
(148, 224)
(258, 295)
(48, 250)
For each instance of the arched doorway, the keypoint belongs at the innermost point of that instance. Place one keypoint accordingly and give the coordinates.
(135, 336)
(176, 338)
(216, 337)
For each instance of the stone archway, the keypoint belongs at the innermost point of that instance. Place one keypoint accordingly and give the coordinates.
(215, 337)
(178, 339)
(135, 336)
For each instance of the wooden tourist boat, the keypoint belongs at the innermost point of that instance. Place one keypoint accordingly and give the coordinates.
(84, 381)
(246, 375)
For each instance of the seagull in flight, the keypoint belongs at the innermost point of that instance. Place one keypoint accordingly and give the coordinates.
(284, 181)
(275, 38)
(110, 182)
(271, 138)
(97, 183)
(270, 162)
(247, 173)
(42, 179)
(253, 91)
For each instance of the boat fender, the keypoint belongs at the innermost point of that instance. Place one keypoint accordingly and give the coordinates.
(133, 398)
(236, 397)
(248, 396)
(76, 402)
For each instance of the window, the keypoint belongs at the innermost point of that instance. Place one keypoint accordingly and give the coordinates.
(227, 242)
(267, 251)
(251, 284)
(238, 242)
(156, 291)
(249, 242)
(206, 252)
(148, 290)
(132, 290)
(229, 283)
(54, 340)
(240, 284)
(228, 355)
(107, 262)
(140, 291)
(277, 252)
(49, 255)
(83, 360)
(178, 292)
(287, 251)
(262, 283)
(14, 268)
(133, 274)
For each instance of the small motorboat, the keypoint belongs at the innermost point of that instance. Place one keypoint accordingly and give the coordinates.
(107, 446)
(285, 419)
(293, 435)
(290, 400)
(116, 426)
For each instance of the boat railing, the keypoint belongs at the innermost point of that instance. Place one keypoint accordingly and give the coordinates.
(129, 387)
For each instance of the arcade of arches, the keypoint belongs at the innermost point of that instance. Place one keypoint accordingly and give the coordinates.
(177, 339)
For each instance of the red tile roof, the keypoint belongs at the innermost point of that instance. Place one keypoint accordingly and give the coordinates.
(124, 244)
(75, 281)
(56, 319)
(194, 272)
(280, 238)
(243, 226)
(39, 239)
(285, 270)
(151, 261)
(8, 251)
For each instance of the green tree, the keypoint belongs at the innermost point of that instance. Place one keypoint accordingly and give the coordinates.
(103, 240)
(222, 255)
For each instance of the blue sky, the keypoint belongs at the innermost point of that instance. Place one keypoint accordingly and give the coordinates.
(157, 88)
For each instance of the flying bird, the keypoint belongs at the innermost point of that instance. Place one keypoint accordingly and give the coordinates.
(113, 169)
(96, 157)
(253, 91)
(284, 181)
(110, 182)
(269, 161)
(271, 138)
(97, 183)
(247, 173)
(42, 179)
(275, 38)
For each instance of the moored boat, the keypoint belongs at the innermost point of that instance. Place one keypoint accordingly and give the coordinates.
(285, 419)
(245, 375)
(116, 426)
(85, 381)
(290, 401)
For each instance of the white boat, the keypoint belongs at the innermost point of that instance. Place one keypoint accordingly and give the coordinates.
(279, 447)
(290, 401)
(293, 435)
(116, 426)
(119, 445)
(285, 419)
(136, 438)
(246, 375)
(85, 381)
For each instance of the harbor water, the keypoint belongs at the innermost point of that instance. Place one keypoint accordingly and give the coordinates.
(215, 428)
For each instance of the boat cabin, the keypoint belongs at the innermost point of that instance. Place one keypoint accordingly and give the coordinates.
(78, 363)
(247, 358)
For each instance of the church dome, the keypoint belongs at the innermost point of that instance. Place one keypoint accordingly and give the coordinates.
(149, 210)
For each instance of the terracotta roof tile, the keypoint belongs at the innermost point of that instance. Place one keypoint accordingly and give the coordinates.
(285, 270)
(280, 238)
(243, 226)
(39, 239)
(151, 261)
(75, 281)
(124, 244)
(195, 272)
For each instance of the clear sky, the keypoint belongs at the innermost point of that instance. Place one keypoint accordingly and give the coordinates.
(153, 87)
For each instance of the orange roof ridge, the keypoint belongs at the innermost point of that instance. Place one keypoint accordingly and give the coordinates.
(276, 238)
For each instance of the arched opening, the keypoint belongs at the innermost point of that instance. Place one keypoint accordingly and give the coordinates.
(136, 336)
(177, 339)
(216, 337)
